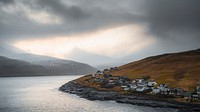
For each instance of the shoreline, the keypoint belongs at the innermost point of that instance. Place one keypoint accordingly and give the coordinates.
(137, 99)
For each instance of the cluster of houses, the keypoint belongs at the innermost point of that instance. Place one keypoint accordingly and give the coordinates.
(142, 85)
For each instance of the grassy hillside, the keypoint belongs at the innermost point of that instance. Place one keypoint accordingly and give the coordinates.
(175, 69)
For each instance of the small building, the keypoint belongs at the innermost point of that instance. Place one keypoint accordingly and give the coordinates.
(93, 75)
(120, 81)
(142, 84)
(111, 82)
(151, 83)
(140, 89)
(198, 89)
(140, 80)
(194, 96)
(155, 91)
(132, 86)
(125, 87)
(133, 81)
(163, 87)
(116, 68)
(113, 68)
(99, 72)
(165, 90)
(171, 91)
(179, 91)
(97, 79)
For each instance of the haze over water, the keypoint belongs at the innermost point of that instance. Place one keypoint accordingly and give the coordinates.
(40, 94)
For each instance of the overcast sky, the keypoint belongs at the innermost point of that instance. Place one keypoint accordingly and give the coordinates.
(100, 31)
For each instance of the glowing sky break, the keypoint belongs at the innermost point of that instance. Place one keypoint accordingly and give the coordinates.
(112, 42)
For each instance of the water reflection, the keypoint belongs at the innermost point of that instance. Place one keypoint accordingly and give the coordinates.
(40, 94)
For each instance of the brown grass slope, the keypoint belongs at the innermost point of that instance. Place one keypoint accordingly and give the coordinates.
(175, 69)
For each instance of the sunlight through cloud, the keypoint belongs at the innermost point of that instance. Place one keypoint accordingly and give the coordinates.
(112, 42)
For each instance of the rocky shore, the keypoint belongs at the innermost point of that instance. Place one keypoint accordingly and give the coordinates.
(136, 99)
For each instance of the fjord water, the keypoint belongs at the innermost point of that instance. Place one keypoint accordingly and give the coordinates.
(40, 94)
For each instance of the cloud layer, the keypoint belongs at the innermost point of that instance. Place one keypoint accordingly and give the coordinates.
(27, 19)
(173, 24)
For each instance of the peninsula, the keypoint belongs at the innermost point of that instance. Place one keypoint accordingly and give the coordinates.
(168, 80)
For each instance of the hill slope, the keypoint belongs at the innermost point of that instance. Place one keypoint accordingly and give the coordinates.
(175, 69)
(13, 67)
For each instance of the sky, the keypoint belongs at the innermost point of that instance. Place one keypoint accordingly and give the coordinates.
(100, 32)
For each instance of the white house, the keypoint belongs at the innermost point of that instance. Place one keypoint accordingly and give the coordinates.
(111, 82)
(133, 81)
(195, 96)
(132, 86)
(99, 72)
(126, 88)
(140, 89)
(171, 91)
(142, 84)
(140, 80)
(93, 75)
(162, 87)
(151, 83)
(155, 91)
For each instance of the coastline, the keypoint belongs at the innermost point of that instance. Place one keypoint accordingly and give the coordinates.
(137, 99)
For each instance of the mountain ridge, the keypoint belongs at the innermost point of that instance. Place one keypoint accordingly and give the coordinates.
(14, 67)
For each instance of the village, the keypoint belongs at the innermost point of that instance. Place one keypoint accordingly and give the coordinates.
(143, 85)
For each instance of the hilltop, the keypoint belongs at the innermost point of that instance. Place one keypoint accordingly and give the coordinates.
(13, 67)
(174, 69)
(14, 62)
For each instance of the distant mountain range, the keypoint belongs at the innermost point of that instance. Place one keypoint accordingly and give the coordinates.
(18, 63)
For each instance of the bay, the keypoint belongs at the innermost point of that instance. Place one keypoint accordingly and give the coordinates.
(40, 94)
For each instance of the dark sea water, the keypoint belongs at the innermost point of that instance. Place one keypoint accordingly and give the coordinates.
(40, 94)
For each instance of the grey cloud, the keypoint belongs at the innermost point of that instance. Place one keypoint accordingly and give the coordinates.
(77, 17)
(170, 18)
(175, 24)
(172, 22)
(6, 1)
(61, 9)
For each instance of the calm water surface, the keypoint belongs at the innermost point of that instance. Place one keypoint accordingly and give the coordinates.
(40, 94)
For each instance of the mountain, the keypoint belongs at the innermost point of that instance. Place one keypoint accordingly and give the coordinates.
(38, 64)
(14, 53)
(174, 69)
(13, 67)
(61, 66)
